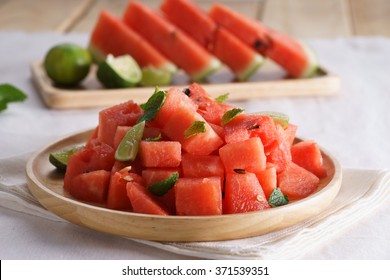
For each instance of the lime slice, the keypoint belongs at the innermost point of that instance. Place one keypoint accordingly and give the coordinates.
(119, 72)
(128, 147)
(60, 159)
(67, 64)
(152, 77)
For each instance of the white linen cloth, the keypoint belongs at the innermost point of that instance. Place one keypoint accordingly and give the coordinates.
(352, 125)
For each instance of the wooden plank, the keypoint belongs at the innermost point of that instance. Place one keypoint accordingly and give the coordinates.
(252, 8)
(309, 19)
(371, 17)
(90, 95)
(35, 15)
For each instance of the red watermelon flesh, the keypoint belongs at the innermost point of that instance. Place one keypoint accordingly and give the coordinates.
(290, 132)
(112, 36)
(143, 201)
(91, 186)
(160, 153)
(246, 155)
(124, 114)
(199, 144)
(196, 23)
(211, 110)
(296, 182)
(175, 99)
(243, 193)
(154, 175)
(267, 179)
(171, 41)
(202, 166)
(280, 155)
(245, 126)
(198, 196)
(293, 56)
(307, 154)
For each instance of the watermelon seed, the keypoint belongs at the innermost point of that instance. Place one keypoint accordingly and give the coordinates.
(126, 169)
(187, 91)
(239, 170)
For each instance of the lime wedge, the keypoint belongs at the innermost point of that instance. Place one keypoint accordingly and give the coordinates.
(152, 76)
(60, 159)
(128, 147)
(67, 64)
(119, 72)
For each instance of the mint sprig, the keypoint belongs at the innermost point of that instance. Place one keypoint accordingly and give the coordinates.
(230, 115)
(153, 105)
(194, 129)
(277, 198)
(162, 187)
(9, 93)
(222, 98)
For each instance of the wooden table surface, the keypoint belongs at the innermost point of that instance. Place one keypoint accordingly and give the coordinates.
(299, 18)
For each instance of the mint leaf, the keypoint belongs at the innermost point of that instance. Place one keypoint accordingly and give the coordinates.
(230, 115)
(222, 98)
(196, 128)
(277, 198)
(9, 93)
(153, 105)
(162, 187)
(278, 117)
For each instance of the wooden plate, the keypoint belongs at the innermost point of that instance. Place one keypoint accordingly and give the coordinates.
(269, 81)
(46, 184)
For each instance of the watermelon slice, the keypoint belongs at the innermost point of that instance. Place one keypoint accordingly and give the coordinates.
(185, 52)
(112, 36)
(195, 22)
(297, 59)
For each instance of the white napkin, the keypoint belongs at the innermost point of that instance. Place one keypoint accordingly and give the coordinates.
(362, 191)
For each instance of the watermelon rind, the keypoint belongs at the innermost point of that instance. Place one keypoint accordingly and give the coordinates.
(255, 64)
(313, 65)
(213, 66)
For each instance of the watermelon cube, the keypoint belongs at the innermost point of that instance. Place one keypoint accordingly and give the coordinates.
(117, 195)
(246, 155)
(268, 179)
(175, 99)
(91, 186)
(307, 154)
(280, 155)
(296, 182)
(198, 196)
(154, 175)
(124, 114)
(143, 201)
(243, 193)
(200, 144)
(245, 126)
(202, 166)
(160, 153)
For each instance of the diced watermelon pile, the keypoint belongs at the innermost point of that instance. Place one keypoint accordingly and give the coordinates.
(229, 166)
(182, 35)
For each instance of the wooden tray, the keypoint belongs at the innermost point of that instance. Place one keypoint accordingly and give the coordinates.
(46, 184)
(269, 81)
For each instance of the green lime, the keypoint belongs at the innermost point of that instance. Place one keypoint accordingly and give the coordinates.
(67, 64)
(60, 159)
(119, 72)
(152, 77)
(128, 147)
